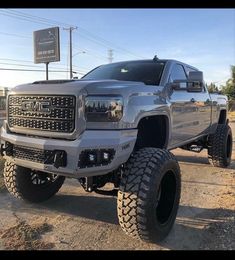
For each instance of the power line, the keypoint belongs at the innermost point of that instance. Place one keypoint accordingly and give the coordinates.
(92, 53)
(48, 21)
(16, 60)
(23, 36)
(81, 68)
(85, 34)
(34, 70)
(28, 37)
(51, 21)
(27, 61)
(109, 44)
(22, 18)
(110, 56)
(54, 22)
(16, 35)
(97, 57)
(20, 65)
(13, 69)
(94, 40)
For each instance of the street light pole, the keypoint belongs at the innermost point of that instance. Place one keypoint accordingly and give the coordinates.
(80, 52)
(71, 53)
(70, 49)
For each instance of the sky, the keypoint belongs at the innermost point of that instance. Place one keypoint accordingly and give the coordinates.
(204, 38)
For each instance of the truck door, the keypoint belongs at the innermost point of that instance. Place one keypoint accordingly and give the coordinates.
(203, 104)
(184, 112)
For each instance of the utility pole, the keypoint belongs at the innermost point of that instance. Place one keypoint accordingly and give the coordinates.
(110, 56)
(70, 29)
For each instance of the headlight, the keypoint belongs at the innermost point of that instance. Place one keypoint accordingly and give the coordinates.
(103, 109)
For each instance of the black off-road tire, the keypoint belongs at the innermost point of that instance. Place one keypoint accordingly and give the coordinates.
(220, 146)
(149, 194)
(19, 183)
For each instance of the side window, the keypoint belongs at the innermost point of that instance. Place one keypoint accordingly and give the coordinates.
(178, 73)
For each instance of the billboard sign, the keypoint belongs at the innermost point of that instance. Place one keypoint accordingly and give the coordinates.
(46, 45)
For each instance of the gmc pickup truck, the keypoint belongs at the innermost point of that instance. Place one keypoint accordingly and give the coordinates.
(116, 125)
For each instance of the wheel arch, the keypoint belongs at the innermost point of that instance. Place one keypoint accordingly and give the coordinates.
(153, 131)
(222, 116)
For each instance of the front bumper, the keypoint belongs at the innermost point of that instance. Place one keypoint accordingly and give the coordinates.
(120, 141)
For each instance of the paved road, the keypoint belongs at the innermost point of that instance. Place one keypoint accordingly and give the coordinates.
(74, 219)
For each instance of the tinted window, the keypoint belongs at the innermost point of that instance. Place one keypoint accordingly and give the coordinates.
(178, 72)
(147, 72)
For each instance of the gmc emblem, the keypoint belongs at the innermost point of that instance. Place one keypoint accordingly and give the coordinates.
(36, 106)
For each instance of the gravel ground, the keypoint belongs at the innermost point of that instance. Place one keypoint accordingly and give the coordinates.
(74, 219)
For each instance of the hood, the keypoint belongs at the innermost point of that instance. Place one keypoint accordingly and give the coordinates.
(87, 87)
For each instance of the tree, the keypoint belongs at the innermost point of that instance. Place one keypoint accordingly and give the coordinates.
(229, 88)
(212, 88)
(233, 74)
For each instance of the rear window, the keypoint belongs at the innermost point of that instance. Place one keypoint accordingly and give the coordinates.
(147, 72)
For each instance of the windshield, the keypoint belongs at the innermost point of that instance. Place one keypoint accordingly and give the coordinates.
(148, 72)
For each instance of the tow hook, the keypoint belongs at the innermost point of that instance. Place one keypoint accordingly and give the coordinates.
(87, 183)
(7, 149)
(60, 159)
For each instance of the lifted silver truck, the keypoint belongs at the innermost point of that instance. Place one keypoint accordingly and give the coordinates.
(115, 125)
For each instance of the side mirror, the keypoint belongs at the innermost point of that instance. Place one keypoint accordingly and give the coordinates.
(195, 76)
(195, 81)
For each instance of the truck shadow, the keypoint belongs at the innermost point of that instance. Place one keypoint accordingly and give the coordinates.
(193, 225)
(190, 159)
(195, 228)
(97, 208)
(201, 228)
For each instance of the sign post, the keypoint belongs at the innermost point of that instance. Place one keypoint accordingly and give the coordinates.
(47, 63)
(46, 46)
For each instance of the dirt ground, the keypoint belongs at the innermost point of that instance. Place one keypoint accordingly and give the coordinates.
(74, 219)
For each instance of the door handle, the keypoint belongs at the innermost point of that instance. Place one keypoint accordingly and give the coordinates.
(192, 100)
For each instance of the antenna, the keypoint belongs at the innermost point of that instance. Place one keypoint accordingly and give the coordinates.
(155, 58)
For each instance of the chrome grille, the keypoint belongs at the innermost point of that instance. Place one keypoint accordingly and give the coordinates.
(60, 116)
